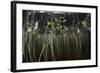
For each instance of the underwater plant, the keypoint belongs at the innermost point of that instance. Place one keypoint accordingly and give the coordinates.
(52, 37)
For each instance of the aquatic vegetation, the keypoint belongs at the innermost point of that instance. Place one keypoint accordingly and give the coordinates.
(55, 37)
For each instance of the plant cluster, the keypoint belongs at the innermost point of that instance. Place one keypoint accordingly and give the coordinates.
(49, 36)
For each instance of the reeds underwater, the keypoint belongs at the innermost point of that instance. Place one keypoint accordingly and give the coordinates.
(52, 40)
(68, 45)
